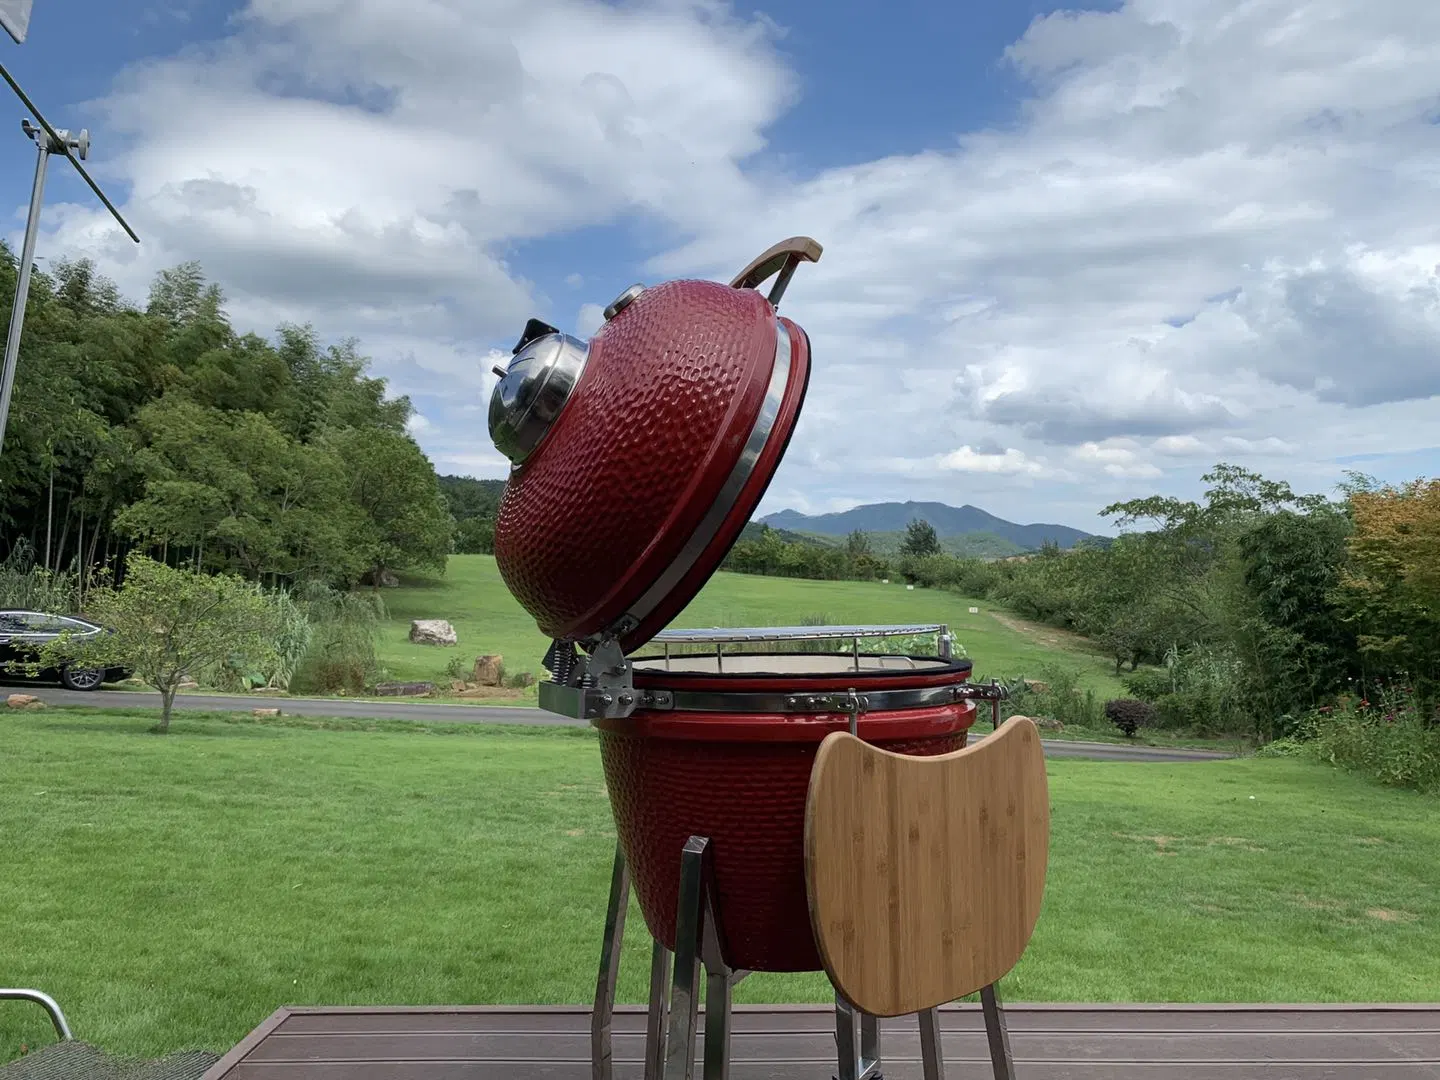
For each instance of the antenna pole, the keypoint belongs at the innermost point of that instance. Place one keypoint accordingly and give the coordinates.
(22, 282)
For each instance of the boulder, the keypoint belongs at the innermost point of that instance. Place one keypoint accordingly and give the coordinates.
(489, 670)
(432, 632)
(24, 701)
(264, 714)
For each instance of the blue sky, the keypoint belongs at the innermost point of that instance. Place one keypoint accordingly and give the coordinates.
(1071, 257)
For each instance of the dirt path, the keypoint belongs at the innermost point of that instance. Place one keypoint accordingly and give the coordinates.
(1051, 636)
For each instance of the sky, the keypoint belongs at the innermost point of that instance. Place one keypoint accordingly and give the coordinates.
(1072, 256)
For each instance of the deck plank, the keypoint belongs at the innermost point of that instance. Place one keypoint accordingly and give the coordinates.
(1049, 1042)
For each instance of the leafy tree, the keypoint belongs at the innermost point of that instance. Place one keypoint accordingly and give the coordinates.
(167, 624)
(241, 495)
(857, 544)
(1392, 585)
(161, 427)
(406, 523)
(475, 536)
(920, 540)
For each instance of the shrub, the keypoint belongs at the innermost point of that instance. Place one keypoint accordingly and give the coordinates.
(1130, 715)
(341, 655)
(1149, 684)
(1394, 740)
(1056, 695)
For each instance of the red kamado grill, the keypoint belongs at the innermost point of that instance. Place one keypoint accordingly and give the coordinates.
(638, 457)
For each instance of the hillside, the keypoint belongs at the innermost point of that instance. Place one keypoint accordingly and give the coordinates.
(949, 521)
(978, 545)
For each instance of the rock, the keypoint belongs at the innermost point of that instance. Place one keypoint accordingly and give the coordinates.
(404, 689)
(24, 701)
(489, 670)
(264, 714)
(432, 632)
(457, 685)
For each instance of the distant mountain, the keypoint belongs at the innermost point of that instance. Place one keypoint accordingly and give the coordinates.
(949, 521)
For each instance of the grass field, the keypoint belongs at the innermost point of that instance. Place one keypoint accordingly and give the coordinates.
(487, 619)
(172, 891)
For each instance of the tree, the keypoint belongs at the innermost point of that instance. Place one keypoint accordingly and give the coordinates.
(1392, 586)
(166, 624)
(407, 525)
(920, 539)
(857, 544)
(239, 494)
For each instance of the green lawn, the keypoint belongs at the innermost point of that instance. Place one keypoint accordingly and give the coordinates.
(487, 619)
(171, 891)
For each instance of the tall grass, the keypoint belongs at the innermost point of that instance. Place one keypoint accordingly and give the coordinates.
(340, 654)
(29, 587)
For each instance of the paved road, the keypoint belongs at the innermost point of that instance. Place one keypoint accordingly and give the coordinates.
(433, 712)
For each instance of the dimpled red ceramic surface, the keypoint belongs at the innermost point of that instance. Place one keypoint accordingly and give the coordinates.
(669, 395)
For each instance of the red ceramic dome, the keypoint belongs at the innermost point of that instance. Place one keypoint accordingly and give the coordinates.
(641, 457)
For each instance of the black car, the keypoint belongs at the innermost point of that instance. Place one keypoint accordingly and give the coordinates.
(24, 633)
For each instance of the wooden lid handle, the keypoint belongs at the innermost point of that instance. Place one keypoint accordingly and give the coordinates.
(780, 259)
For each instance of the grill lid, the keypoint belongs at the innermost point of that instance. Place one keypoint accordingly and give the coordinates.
(638, 458)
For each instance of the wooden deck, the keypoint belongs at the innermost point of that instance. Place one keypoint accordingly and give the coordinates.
(1050, 1042)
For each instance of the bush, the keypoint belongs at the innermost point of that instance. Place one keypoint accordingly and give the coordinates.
(475, 536)
(1394, 740)
(1149, 685)
(341, 654)
(1056, 695)
(1130, 715)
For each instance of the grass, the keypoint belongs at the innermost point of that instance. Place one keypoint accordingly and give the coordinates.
(172, 891)
(487, 619)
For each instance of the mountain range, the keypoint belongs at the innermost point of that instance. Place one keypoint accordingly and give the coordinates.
(949, 521)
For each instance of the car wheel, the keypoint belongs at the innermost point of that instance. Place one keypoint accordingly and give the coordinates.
(81, 678)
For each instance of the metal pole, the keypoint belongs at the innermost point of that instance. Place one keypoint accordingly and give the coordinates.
(22, 284)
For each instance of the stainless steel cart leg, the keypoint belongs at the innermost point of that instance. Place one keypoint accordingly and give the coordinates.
(659, 1006)
(932, 1054)
(601, 1019)
(862, 1061)
(684, 991)
(46, 1002)
(997, 1033)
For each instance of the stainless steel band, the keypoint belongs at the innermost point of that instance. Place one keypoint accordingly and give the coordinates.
(593, 703)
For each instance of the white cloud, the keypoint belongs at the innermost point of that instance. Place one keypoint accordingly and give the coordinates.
(589, 319)
(1209, 230)
(1007, 463)
(1117, 460)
